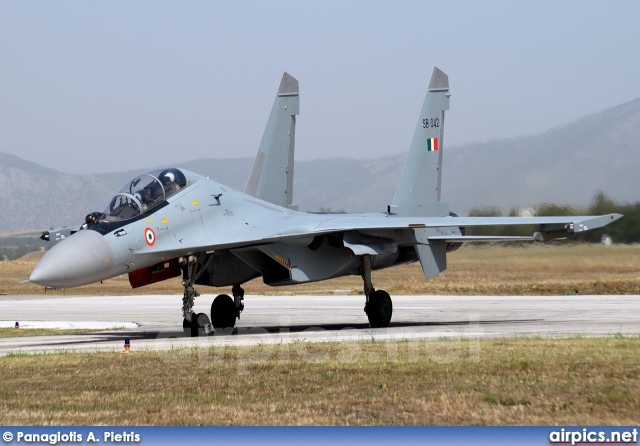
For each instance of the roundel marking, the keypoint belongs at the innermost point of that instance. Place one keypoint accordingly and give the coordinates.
(149, 236)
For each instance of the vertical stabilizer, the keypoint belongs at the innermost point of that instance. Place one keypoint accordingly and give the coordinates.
(271, 178)
(418, 192)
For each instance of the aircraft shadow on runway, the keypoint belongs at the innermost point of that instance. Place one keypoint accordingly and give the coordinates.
(463, 326)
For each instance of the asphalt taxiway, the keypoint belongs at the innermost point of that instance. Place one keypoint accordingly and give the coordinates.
(155, 322)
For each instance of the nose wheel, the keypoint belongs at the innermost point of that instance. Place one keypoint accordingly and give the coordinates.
(199, 325)
(193, 324)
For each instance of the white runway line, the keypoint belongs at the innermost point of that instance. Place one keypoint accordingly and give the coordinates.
(68, 325)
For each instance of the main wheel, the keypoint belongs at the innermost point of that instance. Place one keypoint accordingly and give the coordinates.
(223, 312)
(379, 309)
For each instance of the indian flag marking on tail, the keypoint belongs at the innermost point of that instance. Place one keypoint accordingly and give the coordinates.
(432, 144)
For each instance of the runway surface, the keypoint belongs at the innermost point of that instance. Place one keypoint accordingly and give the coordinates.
(155, 322)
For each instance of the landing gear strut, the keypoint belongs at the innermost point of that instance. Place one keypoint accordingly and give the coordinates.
(378, 305)
(193, 324)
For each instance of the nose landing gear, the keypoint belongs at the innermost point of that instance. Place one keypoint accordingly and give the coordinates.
(193, 324)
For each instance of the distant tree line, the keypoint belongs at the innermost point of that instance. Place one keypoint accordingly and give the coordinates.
(14, 247)
(625, 230)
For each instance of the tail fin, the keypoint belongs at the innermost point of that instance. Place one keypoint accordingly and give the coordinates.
(418, 192)
(271, 178)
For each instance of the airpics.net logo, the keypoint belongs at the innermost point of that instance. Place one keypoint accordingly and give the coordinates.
(587, 436)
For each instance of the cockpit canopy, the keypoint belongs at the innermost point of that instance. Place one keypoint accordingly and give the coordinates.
(143, 193)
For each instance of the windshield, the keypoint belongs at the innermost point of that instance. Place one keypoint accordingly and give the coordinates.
(143, 193)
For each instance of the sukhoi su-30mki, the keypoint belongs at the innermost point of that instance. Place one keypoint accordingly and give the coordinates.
(172, 222)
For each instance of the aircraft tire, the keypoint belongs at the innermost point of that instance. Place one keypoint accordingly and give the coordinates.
(202, 321)
(195, 328)
(379, 309)
(186, 327)
(223, 312)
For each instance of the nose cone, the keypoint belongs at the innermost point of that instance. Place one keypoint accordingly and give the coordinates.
(78, 260)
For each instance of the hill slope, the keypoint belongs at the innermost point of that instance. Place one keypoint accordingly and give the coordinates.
(35, 197)
(563, 165)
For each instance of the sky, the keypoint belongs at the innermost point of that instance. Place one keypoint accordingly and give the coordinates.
(103, 86)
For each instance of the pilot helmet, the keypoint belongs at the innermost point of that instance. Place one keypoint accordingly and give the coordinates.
(172, 179)
(168, 178)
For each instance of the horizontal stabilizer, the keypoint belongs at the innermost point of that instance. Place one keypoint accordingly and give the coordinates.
(579, 222)
(480, 238)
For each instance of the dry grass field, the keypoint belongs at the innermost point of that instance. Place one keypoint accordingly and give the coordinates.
(494, 382)
(530, 269)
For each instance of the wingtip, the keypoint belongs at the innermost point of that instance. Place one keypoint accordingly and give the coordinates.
(439, 80)
(288, 85)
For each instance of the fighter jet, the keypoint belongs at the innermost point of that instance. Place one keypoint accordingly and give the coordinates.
(171, 222)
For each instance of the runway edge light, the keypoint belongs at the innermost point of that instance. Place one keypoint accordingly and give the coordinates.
(17, 326)
(127, 345)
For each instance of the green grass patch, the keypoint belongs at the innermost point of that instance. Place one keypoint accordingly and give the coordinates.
(454, 382)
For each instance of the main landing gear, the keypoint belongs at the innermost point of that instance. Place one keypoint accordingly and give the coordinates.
(224, 309)
(378, 305)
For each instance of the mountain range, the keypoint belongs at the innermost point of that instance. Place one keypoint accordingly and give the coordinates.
(564, 165)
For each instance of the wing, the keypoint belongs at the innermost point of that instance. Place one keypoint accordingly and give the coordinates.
(298, 228)
(549, 228)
